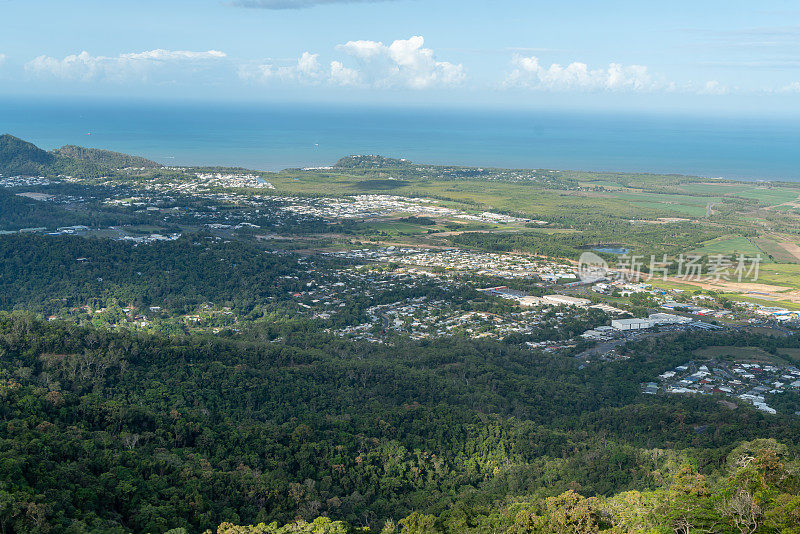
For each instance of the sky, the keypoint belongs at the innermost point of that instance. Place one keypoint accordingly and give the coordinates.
(725, 56)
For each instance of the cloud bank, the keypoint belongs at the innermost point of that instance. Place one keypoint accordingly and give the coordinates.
(405, 63)
(307, 70)
(87, 67)
(793, 87)
(713, 87)
(530, 73)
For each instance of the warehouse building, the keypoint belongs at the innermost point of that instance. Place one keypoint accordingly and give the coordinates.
(631, 324)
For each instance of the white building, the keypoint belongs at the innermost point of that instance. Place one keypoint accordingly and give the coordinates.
(565, 300)
(608, 309)
(668, 318)
(631, 324)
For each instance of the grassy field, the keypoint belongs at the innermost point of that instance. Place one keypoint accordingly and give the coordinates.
(397, 227)
(623, 197)
(771, 247)
(736, 353)
(769, 195)
(780, 274)
(687, 200)
(528, 199)
(792, 355)
(728, 245)
(670, 284)
(673, 209)
(602, 183)
(715, 189)
(534, 199)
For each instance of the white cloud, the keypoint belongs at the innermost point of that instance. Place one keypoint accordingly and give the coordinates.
(76, 66)
(404, 63)
(529, 72)
(306, 69)
(713, 87)
(341, 75)
(308, 65)
(86, 67)
(793, 87)
(296, 4)
(363, 49)
(160, 54)
(2, 58)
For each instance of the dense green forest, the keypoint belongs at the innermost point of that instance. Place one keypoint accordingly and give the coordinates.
(21, 157)
(18, 212)
(18, 157)
(656, 239)
(755, 491)
(104, 158)
(45, 274)
(112, 431)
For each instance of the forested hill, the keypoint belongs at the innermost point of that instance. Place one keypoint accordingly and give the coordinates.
(21, 157)
(755, 492)
(370, 162)
(104, 158)
(18, 157)
(106, 431)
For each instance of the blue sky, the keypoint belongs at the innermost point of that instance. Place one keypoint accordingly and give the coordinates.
(726, 56)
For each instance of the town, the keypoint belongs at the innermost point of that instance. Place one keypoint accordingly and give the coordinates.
(751, 382)
(375, 291)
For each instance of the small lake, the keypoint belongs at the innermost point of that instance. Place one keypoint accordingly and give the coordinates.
(611, 250)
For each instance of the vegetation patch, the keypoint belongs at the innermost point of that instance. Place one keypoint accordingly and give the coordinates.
(729, 246)
(380, 185)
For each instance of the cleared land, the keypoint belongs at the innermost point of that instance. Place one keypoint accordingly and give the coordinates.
(728, 245)
(752, 354)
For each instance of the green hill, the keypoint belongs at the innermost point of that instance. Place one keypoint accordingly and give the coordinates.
(104, 158)
(370, 162)
(21, 157)
(112, 431)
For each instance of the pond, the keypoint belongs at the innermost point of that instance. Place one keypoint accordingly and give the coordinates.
(611, 249)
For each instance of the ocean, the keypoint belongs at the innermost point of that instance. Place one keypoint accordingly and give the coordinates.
(273, 137)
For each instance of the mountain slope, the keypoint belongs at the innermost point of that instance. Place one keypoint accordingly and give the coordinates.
(103, 158)
(21, 157)
(370, 162)
(110, 431)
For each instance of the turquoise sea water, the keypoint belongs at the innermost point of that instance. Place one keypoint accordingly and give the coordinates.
(272, 137)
